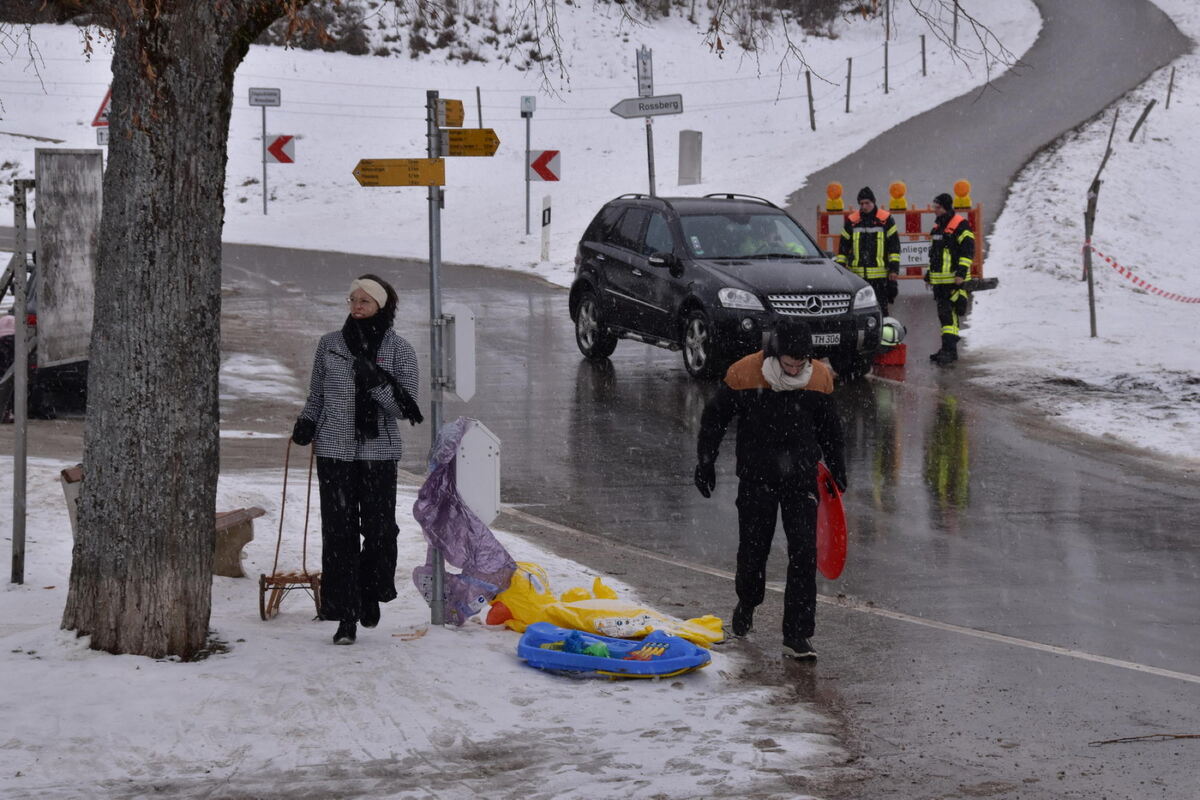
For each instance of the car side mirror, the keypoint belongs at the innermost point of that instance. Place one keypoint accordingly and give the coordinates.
(667, 260)
(828, 253)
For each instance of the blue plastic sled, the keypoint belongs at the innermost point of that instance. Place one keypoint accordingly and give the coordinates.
(659, 655)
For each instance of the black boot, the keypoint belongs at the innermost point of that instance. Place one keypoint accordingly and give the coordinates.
(949, 352)
(370, 613)
(346, 633)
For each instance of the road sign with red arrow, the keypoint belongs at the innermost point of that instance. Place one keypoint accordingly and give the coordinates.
(101, 118)
(545, 165)
(282, 149)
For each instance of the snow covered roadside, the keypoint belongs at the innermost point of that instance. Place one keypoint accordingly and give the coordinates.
(752, 111)
(406, 712)
(1138, 381)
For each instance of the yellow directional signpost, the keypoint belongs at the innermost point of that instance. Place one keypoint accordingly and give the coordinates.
(470, 142)
(450, 114)
(401, 172)
(457, 141)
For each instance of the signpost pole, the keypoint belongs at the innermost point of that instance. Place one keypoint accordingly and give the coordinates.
(264, 157)
(528, 120)
(20, 381)
(650, 150)
(437, 614)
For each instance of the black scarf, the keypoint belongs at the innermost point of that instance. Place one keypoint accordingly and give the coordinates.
(363, 337)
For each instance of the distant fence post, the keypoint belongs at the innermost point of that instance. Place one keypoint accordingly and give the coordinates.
(849, 66)
(1170, 86)
(923, 72)
(1141, 119)
(954, 38)
(885, 67)
(812, 114)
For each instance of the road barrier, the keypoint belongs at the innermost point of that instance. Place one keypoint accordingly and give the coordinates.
(1149, 287)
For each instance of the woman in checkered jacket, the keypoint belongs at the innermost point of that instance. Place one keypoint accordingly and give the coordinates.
(364, 379)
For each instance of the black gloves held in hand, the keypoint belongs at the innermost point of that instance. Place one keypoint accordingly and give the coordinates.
(412, 411)
(304, 431)
(368, 372)
(705, 477)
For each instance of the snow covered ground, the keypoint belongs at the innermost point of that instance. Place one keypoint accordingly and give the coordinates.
(1138, 381)
(408, 711)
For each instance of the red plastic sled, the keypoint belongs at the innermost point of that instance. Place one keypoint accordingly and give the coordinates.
(831, 525)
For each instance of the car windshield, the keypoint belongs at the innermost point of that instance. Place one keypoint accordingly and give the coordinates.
(746, 236)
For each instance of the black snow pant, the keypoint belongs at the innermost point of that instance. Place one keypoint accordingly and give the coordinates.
(358, 502)
(759, 506)
(883, 292)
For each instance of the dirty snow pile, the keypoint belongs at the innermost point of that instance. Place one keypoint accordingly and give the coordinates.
(751, 109)
(408, 711)
(1138, 381)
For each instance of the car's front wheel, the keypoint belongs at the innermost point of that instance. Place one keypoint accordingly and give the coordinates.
(700, 354)
(594, 339)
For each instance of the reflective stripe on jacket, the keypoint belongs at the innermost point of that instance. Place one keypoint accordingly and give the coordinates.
(870, 245)
(951, 251)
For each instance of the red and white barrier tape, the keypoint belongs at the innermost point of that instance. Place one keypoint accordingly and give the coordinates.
(1149, 287)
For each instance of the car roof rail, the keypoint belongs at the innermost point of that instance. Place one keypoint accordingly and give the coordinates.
(635, 196)
(737, 196)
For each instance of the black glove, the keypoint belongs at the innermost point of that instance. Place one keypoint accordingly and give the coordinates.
(838, 471)
(368, 372)
(303, 431)
(705, 477)
(408, 406)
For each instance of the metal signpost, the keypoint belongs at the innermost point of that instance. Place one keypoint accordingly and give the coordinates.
(21, 188)
(648, 107)
(458, 326)
(528, 104)
(264, 97)
(645, 79)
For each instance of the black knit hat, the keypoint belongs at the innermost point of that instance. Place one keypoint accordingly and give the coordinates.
(945, 201)
(791, 337)
(865, 193)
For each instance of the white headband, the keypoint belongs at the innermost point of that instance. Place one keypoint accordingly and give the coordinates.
(373, 288)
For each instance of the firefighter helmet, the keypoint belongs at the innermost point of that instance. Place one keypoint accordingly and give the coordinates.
(892, 332)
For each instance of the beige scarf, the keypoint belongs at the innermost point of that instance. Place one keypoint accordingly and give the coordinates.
(780, 381)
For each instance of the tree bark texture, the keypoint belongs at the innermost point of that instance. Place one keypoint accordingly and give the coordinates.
(141, 575)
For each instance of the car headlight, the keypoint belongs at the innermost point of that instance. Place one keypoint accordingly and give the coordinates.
(865, 298)
(740, 298)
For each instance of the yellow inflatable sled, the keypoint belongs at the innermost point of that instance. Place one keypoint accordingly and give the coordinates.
(528, 599)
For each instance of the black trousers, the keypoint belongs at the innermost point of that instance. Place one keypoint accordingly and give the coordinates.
(358, 535)
(951, 302)
(759, 506)
(882, 293)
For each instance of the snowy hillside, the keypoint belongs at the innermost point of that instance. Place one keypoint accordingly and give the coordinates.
(751, 108)
(1138, 381)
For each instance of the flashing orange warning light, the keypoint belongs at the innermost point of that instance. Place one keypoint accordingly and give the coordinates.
(899, 201)
(833, 197)
(962, 194)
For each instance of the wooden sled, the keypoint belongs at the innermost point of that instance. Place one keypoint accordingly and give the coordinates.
(276, 586)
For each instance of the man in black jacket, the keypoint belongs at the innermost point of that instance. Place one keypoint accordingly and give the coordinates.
(786, 423)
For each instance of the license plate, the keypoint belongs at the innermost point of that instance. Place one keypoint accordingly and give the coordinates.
(827, 338)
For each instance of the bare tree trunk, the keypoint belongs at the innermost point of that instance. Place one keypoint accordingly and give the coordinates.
(141, 576)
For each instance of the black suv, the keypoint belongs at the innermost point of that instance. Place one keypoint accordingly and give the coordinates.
(708, 276)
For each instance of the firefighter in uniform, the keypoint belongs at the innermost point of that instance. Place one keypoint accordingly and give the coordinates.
(951, 252)
(786, 421)
(870, 247)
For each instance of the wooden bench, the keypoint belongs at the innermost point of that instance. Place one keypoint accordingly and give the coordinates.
(233, 529)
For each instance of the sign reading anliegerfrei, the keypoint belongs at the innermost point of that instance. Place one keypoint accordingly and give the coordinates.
(263, 97)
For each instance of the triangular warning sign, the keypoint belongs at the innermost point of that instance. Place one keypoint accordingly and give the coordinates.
(101, 119)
